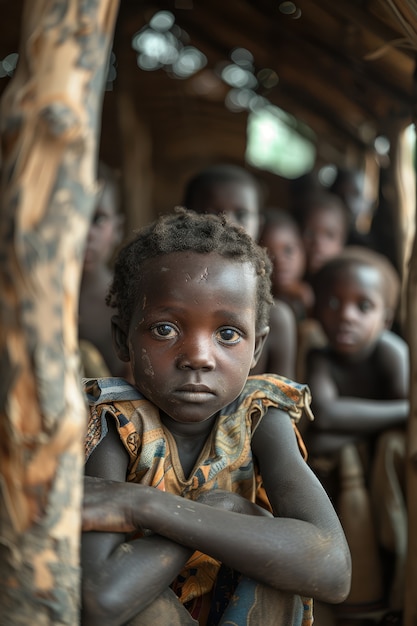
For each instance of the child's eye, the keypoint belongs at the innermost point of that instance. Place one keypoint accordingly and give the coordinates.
(100, 219)
(333, 303)
(229, 335)
(164, 331)
(365, 306)
(241, 216)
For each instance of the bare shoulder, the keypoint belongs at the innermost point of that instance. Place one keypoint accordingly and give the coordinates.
(281, 318)
(393, 361)
(274, 442)
(110, 459)
(392, 343)
(291, 486)
(279, 353)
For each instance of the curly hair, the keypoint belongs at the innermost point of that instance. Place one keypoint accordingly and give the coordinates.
(177, 232)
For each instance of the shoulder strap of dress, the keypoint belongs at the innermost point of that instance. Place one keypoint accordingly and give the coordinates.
(295, 398)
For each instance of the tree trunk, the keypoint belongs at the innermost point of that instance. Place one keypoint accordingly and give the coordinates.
(50, 120)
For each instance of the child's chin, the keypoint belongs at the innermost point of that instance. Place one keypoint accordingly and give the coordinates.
(348, 348)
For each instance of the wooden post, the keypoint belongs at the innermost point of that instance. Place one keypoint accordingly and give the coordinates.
(406, 16)
(410, 613)
(50, 119)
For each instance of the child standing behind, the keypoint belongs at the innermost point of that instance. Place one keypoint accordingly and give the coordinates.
(177, 462)
(104, 236)
(281, 237)
(359, 382)
(230, 190)
(324, 224)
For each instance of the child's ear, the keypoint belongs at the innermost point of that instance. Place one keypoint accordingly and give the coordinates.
(119, 336)
(389, 318)
(259, 344)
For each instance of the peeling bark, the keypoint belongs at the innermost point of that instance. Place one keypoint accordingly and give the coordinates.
(50, 119)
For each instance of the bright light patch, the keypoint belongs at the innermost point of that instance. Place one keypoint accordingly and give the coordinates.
(275, 143)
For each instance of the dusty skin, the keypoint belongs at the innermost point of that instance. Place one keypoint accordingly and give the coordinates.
(201, 339)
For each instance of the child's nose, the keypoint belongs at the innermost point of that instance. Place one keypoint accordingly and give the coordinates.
(349, 311)
(197, 354)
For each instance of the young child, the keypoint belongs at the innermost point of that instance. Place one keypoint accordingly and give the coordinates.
(359, 386)
(360, 381)
(349, 185)
(182, 458)
(230, 190)
(104, 236)
(324, 224)
(281, 237)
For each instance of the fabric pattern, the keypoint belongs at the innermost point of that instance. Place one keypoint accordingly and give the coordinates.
(226, 461)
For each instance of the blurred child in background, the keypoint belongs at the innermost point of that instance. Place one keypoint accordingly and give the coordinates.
(232, 191)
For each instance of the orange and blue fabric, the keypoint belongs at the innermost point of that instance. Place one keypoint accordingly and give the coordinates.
(226, 462)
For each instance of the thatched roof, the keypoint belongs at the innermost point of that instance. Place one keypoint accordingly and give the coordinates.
(345, 67)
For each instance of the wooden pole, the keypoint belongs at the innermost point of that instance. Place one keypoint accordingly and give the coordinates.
(410, 610)
(50, 120)
(405, 13)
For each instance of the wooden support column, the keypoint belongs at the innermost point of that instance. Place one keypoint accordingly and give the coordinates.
(410, 612)
(405, 13)
(50, 117)
(410, 599)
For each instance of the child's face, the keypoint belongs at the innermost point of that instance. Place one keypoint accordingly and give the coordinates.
(104, 234)
(287, 255)
(324, 236)
(192, 338)
(239, 202)
(352, 310)
(353, 194)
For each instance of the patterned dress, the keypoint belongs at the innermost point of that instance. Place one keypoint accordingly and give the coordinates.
(226, 461)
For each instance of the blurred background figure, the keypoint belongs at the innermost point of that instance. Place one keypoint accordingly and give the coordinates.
(94, 324)
(281, 237)
(228, 189)
(232, 191)
(324, 225)
(349, 185)
(359, 383)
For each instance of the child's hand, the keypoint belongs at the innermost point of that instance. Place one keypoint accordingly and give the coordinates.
(103, 506)
(229, 501)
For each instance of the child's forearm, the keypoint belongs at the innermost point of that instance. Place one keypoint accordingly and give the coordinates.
(287, 554)
(359, 416)
(133, 576)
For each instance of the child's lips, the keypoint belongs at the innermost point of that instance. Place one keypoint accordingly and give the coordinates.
(345, 336)
(193, 392)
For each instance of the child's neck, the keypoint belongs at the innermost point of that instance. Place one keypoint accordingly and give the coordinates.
(190, 439)
(188, 430)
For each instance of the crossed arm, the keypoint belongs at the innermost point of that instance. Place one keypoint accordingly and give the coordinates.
(302, 551)
(342, 417)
